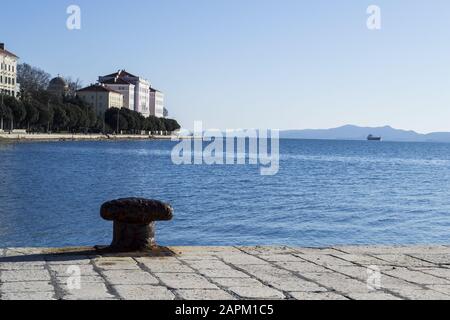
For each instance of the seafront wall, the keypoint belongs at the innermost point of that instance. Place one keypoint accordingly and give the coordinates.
(77, 137)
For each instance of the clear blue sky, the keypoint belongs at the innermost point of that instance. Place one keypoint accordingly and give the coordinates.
(255, 63)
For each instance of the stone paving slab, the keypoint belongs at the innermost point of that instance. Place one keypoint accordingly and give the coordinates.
(117, 277)
(228, 273)
(197, 294)
(262, 292)
(26, 286)
(143, 292)
(22, 266)
(24, 275)
(314, 296)
(63, 281)
(88, 291)
(28, 296)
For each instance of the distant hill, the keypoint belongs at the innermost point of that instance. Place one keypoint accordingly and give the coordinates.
(351, 132)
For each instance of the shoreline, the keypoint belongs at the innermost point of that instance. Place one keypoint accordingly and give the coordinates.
(62, 137)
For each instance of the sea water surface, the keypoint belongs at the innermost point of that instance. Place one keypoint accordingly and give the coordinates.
(326, 193)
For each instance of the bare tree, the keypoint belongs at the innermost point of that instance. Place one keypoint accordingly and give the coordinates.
(73, 85)
(32, 79)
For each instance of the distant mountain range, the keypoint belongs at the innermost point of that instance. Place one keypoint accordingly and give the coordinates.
(351, 132)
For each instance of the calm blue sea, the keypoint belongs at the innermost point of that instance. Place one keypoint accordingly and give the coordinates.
(326, 193)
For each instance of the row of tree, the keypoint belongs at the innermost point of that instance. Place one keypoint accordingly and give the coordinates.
(47, 115)
(133, 122)
(37, 110)
(73, 115)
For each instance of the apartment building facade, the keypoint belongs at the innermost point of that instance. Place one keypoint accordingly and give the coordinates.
(126, 88)
(101, 97)
(8, 72)
(137, 92)
(156, 103)
(141, 89)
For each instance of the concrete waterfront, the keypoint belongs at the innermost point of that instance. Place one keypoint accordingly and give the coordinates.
(228, 273)
(77, 137)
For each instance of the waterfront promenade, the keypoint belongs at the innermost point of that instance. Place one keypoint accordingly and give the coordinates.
(76, 137)
(203, 273)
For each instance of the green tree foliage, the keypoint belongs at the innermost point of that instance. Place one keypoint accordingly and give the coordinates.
(171, 125)
(5, 112)
(32, 114)
(60, 118)
(117, 119)
(18, 112)
(45, 118)
(134, 122)
(42, 114)
(13, 111)
(152, 124)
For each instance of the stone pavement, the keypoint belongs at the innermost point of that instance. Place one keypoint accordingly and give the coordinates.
(228, 273)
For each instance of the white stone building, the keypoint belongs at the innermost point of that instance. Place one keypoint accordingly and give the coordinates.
(126, 88)
(156, 103)
(101, 97)
(8, 72)
(141, 89)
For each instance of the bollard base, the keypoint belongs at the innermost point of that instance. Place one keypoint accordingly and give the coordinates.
(133, 237)
(154, 252)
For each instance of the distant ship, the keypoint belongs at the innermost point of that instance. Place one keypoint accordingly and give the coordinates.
(373, 138)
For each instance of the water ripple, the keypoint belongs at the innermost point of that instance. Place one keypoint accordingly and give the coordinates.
(326, 193)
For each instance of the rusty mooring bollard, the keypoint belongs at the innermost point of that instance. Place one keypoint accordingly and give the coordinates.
(134, 222)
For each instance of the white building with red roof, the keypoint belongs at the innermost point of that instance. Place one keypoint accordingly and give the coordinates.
(101, 97)
(127, 89)
(8, 72)
(141, 89)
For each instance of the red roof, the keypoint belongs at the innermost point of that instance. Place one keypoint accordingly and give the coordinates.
(116, 81)
(97, 88)
(120, 74)
(6, 52)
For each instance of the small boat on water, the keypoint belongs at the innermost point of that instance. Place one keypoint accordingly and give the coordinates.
(373, 138)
